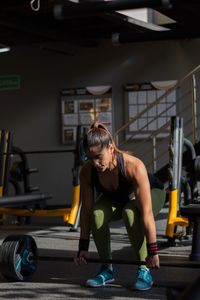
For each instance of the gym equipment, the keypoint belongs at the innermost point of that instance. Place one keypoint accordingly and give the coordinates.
(175, 169)
(18, 251)
(191, 207)
(21, 171)
(121, 262)
(28, 199)
(192, 211)
(5, 147)
(19, 259)
(12, 151)
(14, 266)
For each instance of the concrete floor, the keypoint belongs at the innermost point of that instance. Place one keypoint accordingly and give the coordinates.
(63, 280)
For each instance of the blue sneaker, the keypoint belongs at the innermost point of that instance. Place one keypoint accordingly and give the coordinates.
(144, 281)
(102, 278)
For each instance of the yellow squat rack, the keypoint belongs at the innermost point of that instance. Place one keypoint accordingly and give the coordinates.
(175, 173)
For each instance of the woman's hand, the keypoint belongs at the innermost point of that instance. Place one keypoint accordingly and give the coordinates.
(153, 261)
(81, 258)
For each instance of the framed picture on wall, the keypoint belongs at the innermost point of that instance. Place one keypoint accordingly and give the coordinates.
(69, 135)
(70, 119)
(103, 104)
(69, 107)
(86, 118)
(86, 105)
(81, 106)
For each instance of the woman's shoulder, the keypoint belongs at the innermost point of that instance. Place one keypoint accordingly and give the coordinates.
(132, 163)
(131, 159)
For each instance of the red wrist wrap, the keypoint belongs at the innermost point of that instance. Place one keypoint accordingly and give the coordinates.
(152, 249)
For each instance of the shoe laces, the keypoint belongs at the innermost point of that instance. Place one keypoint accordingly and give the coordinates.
(143, 273)
(106, 273)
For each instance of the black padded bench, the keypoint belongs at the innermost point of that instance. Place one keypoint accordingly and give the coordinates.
(192, 212)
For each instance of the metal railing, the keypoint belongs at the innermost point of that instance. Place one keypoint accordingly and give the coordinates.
(152, 147)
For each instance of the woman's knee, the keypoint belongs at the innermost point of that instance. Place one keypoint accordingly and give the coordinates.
(130, 214)
(99, 218)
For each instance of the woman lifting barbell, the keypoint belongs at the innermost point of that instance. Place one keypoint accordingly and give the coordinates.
(115, 185)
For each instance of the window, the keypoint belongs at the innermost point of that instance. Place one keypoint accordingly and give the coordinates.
(147, 118)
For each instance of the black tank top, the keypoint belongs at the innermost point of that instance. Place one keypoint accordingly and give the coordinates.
(125, 188)
(122, 194)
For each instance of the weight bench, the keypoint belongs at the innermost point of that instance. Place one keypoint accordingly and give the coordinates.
(192, 211)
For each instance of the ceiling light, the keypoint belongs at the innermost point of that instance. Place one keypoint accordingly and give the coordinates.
(4, 48)
(141, 17)
(147, 25)
(161, 19)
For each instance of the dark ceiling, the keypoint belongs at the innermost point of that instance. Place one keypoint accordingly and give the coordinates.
(86, 23)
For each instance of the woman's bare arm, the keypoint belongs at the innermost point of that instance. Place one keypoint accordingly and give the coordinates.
(138, 173)
(87, 200)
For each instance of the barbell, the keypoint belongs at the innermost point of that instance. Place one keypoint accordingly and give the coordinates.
(19, 259)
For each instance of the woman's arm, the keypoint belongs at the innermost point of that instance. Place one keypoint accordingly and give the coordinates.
(143, 195)
(138, 174)
(87, 201)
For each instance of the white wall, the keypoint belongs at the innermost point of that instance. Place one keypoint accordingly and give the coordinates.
(33, 112)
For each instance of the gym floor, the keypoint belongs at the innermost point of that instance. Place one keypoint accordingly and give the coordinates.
(64, 280)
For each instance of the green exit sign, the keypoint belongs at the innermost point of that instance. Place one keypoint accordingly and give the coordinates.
(9, 82)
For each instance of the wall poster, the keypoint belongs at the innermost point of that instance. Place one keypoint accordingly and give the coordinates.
(81, 106)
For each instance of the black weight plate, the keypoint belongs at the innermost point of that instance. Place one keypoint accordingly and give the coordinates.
(18, 257)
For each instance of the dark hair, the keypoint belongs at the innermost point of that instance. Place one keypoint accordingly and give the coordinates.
(98, 135)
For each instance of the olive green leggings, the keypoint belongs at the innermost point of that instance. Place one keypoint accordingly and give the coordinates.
(105, 211)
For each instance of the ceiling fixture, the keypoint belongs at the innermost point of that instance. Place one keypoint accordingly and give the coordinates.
(35, 5)
(4, 48)
(143, 17)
